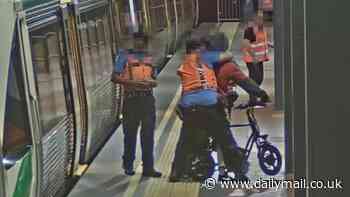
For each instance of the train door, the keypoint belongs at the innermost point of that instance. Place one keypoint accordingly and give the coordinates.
(95, 35)
(189, 11)
(171, 18)
(44, 50)
(17, 147)
(130, 17)
(179, 20)
(158, 29)
(228, 10)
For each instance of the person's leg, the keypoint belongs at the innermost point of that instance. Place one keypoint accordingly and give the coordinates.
(147, 135)
(233, 156)
(183, 154)
(130, 126)
(253, 74)
(178, 162)
(259, 73)
(185, 147)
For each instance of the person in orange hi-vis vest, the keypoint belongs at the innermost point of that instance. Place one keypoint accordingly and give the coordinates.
(134, 71)
(255, 49)
(202, 112)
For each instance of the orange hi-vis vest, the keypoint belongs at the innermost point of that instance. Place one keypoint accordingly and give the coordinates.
(196, 75)
(247, 58)
(258, 50)
(259, 47)
(136, 69)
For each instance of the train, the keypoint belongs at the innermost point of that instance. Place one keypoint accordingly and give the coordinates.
(58, 104)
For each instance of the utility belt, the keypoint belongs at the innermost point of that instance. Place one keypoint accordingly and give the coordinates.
(130, 94)
(183, 111)
(199, 108)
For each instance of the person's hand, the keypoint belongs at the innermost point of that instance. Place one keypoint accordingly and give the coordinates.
(114, 77)
(151, 83)
(141, 83)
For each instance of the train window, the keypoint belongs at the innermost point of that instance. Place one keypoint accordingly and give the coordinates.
(171, 9)
(47, 61)
(89, 69)
(179, 9)
(158, 15)
(17, 136)
(93, 46)
(96, 46)
(108, 45)
(104, 45)
(128, 23)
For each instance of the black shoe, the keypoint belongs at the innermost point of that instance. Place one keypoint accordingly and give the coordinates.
(174, 178)
(182, 178)
(129, 172)
(152, 173)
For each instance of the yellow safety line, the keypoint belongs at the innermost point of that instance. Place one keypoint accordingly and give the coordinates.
(134, 180)
(158, 187)
(81, 169)
(161, 187)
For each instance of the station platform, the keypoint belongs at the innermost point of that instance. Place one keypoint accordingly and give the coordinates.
(105, 176)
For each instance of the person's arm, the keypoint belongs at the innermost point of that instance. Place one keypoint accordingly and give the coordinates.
(252, 88)
(119, 71)
(217, 58)
(236, 73)
(225, 57)
(153, 81)
(246, 48)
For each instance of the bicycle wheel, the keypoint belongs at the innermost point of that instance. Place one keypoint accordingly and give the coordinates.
(270, 159)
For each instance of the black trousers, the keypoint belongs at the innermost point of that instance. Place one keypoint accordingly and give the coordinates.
(139, 111)
(198, 122)
(256, 72)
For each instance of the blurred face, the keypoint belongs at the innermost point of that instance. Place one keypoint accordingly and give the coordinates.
(139, 44)
(198, 50)
(251, 23)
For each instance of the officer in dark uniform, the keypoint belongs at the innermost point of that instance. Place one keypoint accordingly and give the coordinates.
(134, 70)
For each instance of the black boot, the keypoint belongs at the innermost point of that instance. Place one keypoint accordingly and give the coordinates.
(174, 175)
(151, 173)
(128, 169)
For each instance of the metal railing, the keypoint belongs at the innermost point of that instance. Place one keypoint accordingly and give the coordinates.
(228, 10)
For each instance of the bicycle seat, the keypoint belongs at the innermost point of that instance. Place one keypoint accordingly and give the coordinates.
(251, 105)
